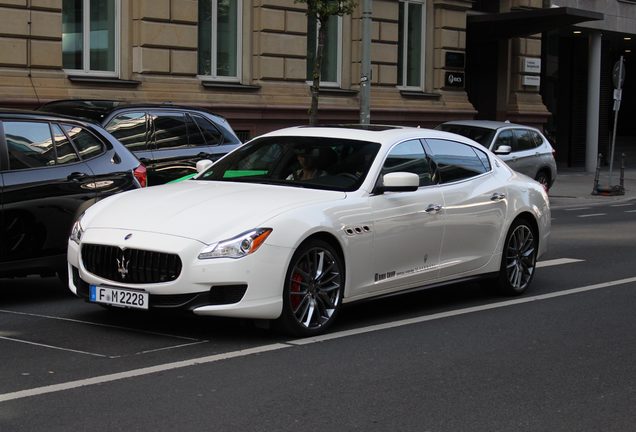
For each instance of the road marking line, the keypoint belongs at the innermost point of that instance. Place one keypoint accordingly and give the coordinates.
(170, 347)
(99, 324)
(278, 346)
(52, 346)
(577, 209)
(630, 211)
(139, 372)
(555, 262)
(622, 205)
(448, 314)
(592, 215)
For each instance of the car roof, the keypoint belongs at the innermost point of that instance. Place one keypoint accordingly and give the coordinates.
(486, 124)
(98, 109)
(383, 134)
(40, 115)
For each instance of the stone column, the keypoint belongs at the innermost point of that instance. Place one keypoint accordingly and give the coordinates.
(593, 101)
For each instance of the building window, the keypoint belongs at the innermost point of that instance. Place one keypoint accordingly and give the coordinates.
(220, 39)
(332, 52)
(90, 36)
(412, 29)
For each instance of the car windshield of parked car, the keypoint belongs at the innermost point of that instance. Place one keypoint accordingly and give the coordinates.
(299, 161)
(482, 135)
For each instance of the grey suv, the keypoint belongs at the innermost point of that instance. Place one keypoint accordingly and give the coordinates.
(523, 148)
(167, 139)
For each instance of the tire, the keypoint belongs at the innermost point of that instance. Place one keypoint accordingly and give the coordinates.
(544, 178)
(312, 295)
(519, 258)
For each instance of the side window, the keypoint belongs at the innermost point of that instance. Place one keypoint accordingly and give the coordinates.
(30, 145)
(483, 157)
(170, 130)
(455, 161)
(129, 129)
(409, 156)
(65, 151)
(210, 132)
(504, 139)
(536, 137)
(86, 143)
(525, 140)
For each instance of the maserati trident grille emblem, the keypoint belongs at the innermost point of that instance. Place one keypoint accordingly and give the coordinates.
(122, 265)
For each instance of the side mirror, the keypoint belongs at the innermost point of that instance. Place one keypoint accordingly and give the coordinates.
(203, 164)
(399, 182)
(503, 150)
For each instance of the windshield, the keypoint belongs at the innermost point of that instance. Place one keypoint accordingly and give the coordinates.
(483, 136)
(314, 162)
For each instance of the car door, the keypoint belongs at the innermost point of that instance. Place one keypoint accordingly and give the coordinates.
(408, 227)
(132, 129)
(524, 152)
(474, 206)
(44, 184)
(173, 155)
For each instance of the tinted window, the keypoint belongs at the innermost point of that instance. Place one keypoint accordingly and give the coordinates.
(85, 142)
(455, 161)
(170, 130)
(536, 137)
(409, 156)
(129, 129)
(504, 138)
(30, 145)
(482, 135)
(525, 140)
(65, 151)
(210, 132)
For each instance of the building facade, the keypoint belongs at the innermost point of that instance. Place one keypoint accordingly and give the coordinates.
(249, 60)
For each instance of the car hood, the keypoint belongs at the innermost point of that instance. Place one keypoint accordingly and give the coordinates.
(202, 210)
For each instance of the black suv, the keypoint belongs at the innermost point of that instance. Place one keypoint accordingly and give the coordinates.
(51, 169)
(167, 139)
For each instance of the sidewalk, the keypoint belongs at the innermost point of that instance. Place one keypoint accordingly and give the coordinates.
(574, 188)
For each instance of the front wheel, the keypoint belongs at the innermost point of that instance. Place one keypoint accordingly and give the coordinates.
(519, 258)
(313, 289)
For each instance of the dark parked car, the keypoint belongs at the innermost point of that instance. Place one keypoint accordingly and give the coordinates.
(51, 169)
(167, 139)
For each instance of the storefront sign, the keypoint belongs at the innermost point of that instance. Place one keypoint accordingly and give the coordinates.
(454, 79)
(531, 65)
(531, 80)
(455, 60)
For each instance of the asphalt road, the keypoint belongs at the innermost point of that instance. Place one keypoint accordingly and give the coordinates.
(559, 358)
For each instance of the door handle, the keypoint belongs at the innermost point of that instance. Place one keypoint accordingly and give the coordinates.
(433, 208)
(75, 176)
(497, 196)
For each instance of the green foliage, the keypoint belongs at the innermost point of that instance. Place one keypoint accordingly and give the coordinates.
(323, 9)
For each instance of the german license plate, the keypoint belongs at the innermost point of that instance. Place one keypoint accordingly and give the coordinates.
(118, 297)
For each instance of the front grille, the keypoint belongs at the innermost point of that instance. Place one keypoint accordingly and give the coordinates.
(134, 266)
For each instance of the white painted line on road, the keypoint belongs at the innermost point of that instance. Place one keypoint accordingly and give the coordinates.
(448, 314)
(99, 325)
(630, 211)
(139, 372)
(622, 205)
(577, 208)
(278, 346)
(52, 347)
(555, 262)
(592, 215)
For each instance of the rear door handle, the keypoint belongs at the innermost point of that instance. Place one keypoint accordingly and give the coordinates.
(497, 196)
(433, 208)
(75, 176)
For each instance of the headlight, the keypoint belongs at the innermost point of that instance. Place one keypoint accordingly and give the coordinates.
(77, 230)
(237, 247)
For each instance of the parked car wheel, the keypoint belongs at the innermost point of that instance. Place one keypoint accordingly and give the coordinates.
(519, 258)
(544, 178)
(313, 289)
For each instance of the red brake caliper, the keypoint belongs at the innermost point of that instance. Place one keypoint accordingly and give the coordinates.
(295, 300)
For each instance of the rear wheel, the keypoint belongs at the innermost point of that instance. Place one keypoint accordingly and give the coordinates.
(312, 295)
(519, 258)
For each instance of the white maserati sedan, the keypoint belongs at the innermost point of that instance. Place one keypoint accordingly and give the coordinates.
(297, 222)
